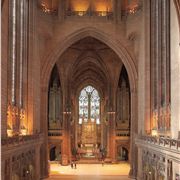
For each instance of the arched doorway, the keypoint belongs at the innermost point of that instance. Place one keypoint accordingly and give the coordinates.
(52, 154)
(122, 153)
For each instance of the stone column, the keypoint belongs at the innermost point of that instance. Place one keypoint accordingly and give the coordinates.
(21, 53)
(140, 164)
(175, 73)
(116, 11)
(134, 129)
(37, 162)
(44, 130)
(62, 10)
(13, 49)
(22, 57)
(25, 59)
(147, 67)
(111, 125)
(102, 121)
(12, 110)
(155, 64)
(160, 64)
(165, 101)
(66, 149)
(168, 66)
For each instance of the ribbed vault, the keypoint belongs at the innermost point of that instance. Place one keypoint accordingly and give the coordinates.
(89, 61)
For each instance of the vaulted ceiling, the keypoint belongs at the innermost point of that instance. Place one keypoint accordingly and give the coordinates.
(90, 61)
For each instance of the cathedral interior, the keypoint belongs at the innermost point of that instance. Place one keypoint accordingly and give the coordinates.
(91, 82)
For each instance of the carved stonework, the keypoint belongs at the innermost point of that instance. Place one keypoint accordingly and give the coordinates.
(7, 168)
(153, 166)
(23, 165)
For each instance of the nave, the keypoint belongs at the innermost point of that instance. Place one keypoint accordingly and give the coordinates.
(90, 172)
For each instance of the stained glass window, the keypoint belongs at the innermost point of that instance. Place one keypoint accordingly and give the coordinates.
(89, 105)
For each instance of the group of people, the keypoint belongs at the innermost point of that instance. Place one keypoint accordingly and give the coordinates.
(74, 158)
(102, 154)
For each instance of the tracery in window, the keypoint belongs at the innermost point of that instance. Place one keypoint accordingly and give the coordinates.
(89, 105)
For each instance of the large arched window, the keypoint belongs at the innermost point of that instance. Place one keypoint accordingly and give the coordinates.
(89, 105)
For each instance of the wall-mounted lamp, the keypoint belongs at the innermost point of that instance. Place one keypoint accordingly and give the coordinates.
(48, 7)
(111, 112)
(132, 8)
(67, 111)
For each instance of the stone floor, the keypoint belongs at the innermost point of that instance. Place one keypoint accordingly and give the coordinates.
(90, 172)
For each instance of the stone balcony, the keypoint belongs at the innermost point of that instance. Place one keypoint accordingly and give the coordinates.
(101, 15)
(10, 144)
(164, 145)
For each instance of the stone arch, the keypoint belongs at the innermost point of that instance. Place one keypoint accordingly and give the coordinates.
(121, 52)
(177, 5)
(113, 43)
(126, 147)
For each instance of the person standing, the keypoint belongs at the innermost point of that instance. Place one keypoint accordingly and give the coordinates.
(72, 165)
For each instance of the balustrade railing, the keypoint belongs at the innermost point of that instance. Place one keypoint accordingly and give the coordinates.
(162, 141)
(55, 133)
(122, 133)
(20, 139)
(102, 14)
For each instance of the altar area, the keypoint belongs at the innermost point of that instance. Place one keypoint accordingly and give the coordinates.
(88, 147)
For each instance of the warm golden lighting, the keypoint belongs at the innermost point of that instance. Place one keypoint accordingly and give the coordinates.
(103, 6)
(98, 7)
(49, 6)
(9, 131)
(23, 131)
(80, 5)
(81, 13)
(102, 13)
(154, 119)
(131, 7)
(154, 132)
(90, 169)
(10, 115)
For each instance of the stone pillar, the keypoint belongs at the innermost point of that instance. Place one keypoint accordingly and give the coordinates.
(165, 79)
(12, 117)
(154, 58)
(140, 164)
(13, 49)
(159, 62)
(117, 11)
(160, 65)
(66, 148)
(21, 64)
(21, 37)
(102, 121)
(111, 133)
(175, 73)
(44, 164)
(37, 162)
(44, 130)
(62, 10)
(134, 129)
